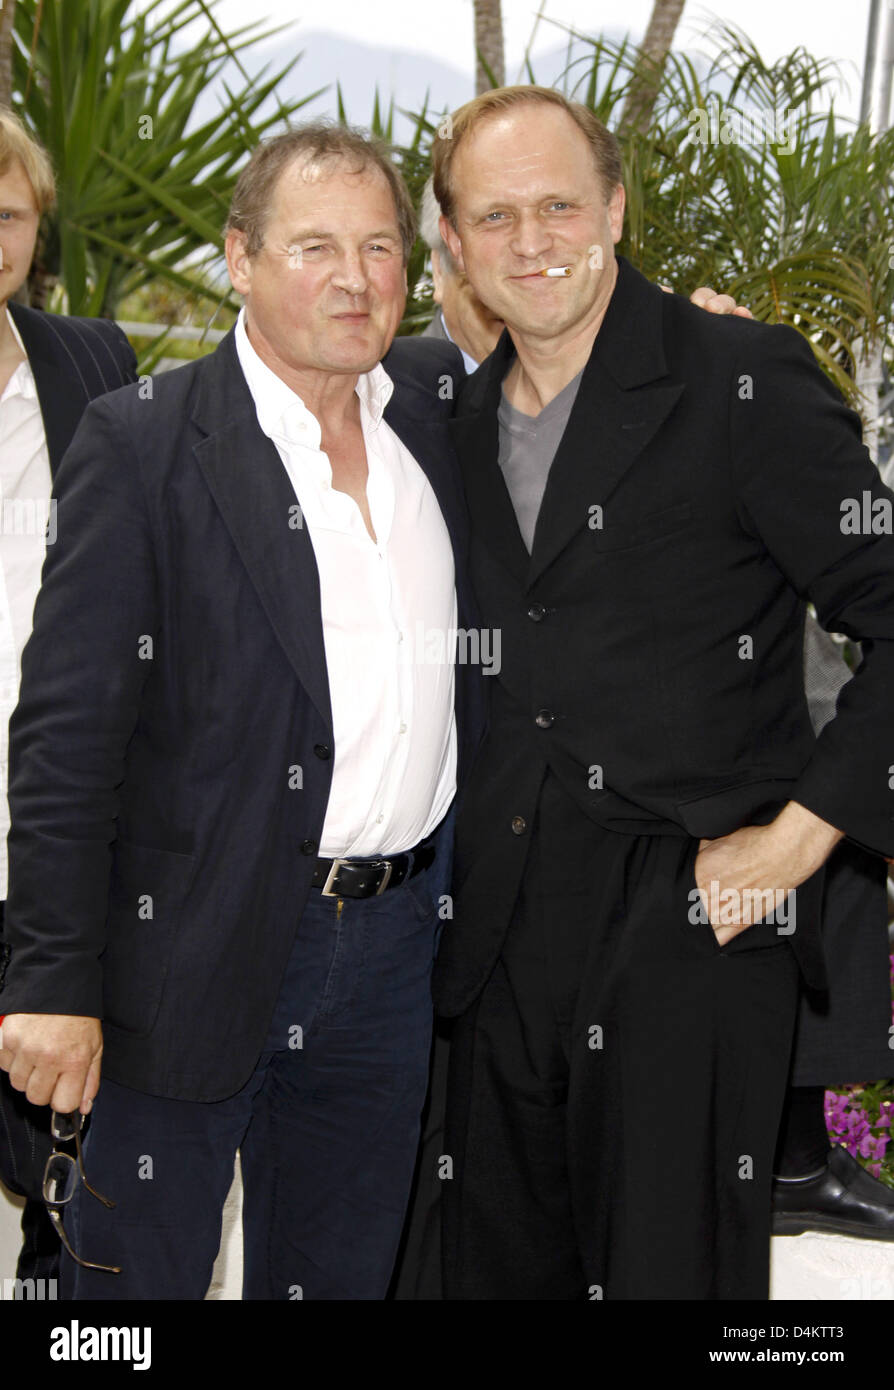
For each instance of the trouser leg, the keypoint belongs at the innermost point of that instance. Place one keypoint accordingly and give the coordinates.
(418, 1271)
(507, 1222)
(613, 1104)
(508, 1231)
(328, 1159)
(167, 1165)
(678, 1110)
(802, 1146)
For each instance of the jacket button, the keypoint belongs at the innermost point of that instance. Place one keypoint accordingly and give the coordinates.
(536, 612)
(544, 719)
(308, 846)
(323, 751)
(519, 825)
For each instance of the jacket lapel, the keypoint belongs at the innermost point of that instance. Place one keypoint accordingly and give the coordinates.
(409, 414)
(59, 396)
(476, 438)
(247, 479)
(621, 404)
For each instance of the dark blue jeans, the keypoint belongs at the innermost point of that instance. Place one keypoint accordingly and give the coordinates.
(327, 1125)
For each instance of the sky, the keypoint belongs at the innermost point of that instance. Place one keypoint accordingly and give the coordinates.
(442, 29)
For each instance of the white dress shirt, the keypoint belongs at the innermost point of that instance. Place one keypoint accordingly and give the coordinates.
(389, 619)
(25, 487)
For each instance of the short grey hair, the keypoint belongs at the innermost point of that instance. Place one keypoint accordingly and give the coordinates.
(429, 217)
(317, 141)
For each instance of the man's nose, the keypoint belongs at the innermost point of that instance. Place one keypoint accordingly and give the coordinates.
(350, 274)
(530, 238)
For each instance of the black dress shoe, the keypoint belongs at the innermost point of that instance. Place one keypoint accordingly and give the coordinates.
(842, 1197)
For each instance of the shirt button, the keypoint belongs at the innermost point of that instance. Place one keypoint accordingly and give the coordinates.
(536, 612)
(323, 751)
(308, 846)
(379, 820)
(403, 728)
(519, 825)
(544, 719)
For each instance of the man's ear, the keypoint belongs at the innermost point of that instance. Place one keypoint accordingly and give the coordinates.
(616, 205)
(437, 276)
(451, 241)
(238, 261)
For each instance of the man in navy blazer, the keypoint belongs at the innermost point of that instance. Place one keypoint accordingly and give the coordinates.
(235, 758)
(51, 367)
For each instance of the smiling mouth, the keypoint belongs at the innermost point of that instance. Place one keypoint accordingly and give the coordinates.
(551, 272)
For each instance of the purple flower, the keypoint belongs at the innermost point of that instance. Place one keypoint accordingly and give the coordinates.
(848, 1123)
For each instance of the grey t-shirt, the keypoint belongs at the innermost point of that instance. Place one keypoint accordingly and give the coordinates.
(528, 445)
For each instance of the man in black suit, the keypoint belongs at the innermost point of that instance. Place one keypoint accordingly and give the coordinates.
(462, 319)
(235, 756)
(655, 493)
(842, 1033)
(50, 368)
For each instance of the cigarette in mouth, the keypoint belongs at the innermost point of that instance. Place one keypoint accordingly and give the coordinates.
(555, 270)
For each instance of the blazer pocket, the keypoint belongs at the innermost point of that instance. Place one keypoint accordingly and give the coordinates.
(724, 809)
(642, 530)
(148, 887)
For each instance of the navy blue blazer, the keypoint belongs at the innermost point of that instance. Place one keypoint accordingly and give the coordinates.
(175, 676)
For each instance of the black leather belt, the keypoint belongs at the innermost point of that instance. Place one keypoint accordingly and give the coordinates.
(368, 878)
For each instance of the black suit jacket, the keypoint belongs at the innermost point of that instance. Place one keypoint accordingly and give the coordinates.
(73, 361)
(175, 676)
(693, 506)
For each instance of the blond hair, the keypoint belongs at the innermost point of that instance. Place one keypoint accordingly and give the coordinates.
(603, 145)
(17, 143)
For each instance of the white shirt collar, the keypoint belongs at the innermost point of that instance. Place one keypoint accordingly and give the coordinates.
(281, 411)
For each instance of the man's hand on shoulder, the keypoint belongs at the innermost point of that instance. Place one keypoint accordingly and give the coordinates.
(54, 1058)
(750, 868)
(706, 298)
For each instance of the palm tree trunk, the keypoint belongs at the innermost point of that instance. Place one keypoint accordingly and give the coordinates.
(7, 15)
(652, 54)
(488, 45)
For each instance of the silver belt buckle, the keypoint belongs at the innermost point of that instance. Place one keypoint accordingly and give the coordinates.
(325, 890)
(389, 869)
